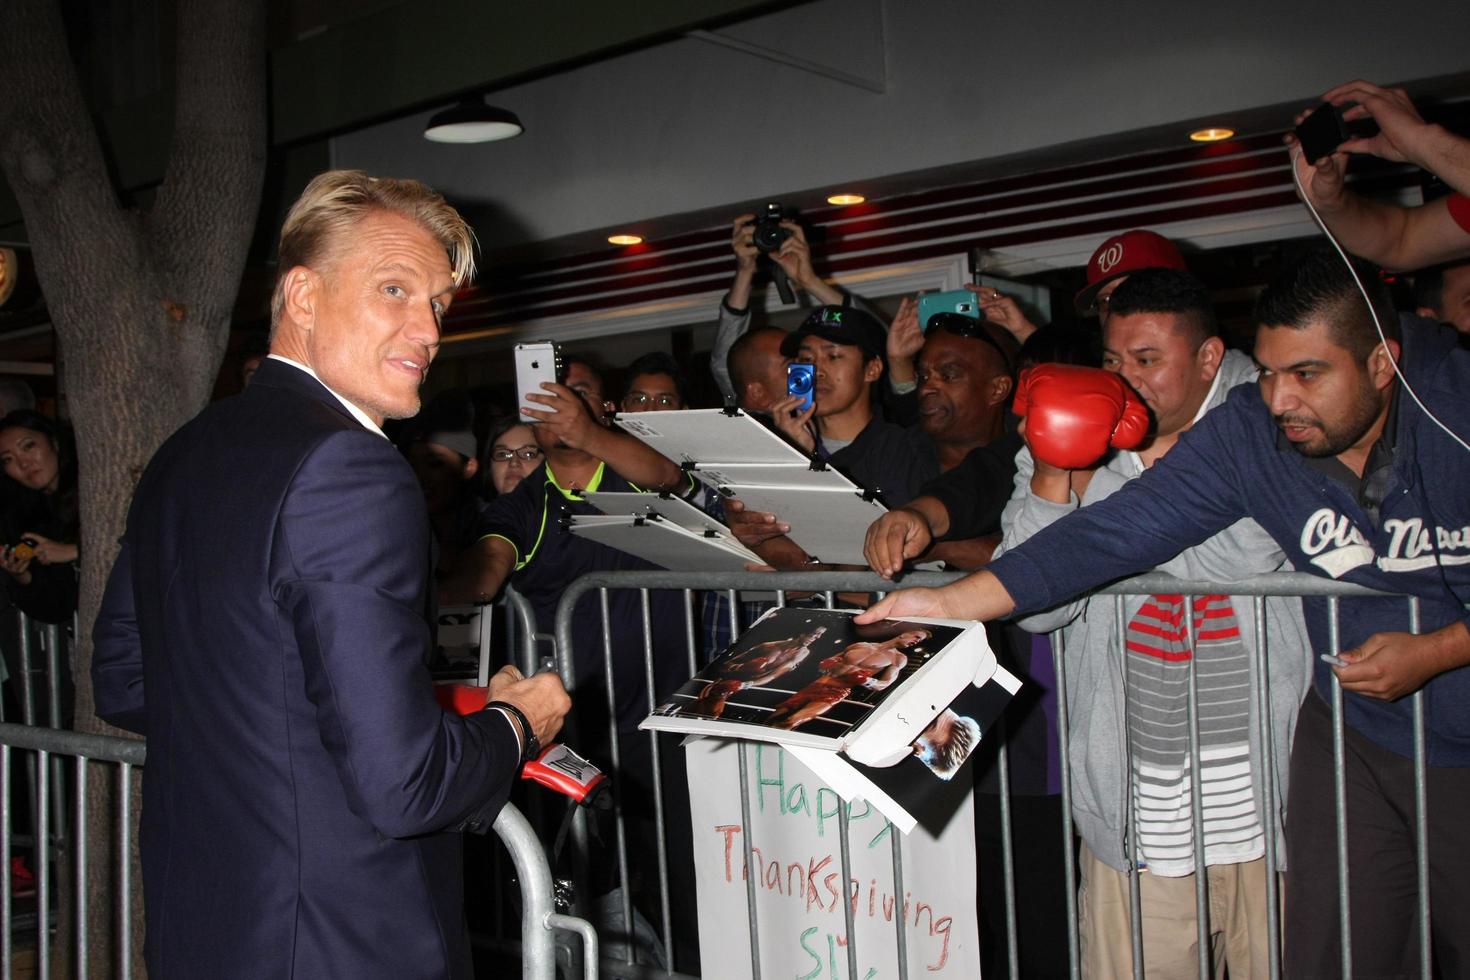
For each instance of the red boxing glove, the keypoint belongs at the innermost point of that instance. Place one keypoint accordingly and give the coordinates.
(1074, 415)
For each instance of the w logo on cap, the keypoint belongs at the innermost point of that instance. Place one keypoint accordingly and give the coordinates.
(1110, 257)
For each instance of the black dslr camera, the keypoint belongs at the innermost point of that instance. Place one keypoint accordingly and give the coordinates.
(768, 234)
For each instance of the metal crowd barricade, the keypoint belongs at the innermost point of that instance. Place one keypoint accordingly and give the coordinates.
(539, 919)
(47, 745)
(37, 659)
(828, 584)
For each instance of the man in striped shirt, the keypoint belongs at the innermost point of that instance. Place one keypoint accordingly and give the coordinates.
(1128, 693)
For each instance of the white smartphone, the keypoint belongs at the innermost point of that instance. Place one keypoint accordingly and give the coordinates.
(535, 363)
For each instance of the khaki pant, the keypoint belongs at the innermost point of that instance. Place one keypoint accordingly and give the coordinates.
(1237, 922)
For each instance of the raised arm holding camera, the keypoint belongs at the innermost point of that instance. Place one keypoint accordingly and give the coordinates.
(776, 235)
(1392, 236)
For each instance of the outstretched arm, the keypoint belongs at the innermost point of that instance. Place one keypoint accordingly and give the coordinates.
(566, 414)
(1150, 520)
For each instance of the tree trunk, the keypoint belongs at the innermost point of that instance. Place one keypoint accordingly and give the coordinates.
(140, 301)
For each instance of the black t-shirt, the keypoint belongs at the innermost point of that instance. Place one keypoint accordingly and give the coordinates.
(976, 490)
(549, 558)
(892, 462)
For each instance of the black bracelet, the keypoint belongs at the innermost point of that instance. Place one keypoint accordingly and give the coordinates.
(532, 747)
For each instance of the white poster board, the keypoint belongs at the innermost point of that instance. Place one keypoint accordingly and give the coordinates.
(798, 871)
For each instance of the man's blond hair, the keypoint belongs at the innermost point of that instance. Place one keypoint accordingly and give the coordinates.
(335, 201)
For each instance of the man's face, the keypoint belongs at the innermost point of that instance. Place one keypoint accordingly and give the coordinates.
(1454, 297)
(1324, 400)
(652, 393)
(959, 397)
(843, 374)
(1158, 358)
(374, 324)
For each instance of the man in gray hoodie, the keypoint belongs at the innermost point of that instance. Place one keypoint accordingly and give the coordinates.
(1161, 338)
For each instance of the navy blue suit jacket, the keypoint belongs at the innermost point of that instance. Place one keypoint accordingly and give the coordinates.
(264, 628)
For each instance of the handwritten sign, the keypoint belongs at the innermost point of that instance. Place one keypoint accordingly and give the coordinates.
(797, 867)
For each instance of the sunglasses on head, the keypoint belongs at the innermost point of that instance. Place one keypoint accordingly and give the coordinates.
(969, 327)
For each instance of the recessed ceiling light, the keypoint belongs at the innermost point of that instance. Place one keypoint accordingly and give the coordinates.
(1211, 134)
(625, 239)
(472, 121)
(841, 199)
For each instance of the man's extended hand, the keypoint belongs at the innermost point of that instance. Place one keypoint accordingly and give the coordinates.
(905, 603)
(1391, 665)
(541, 698)
(894, 538)
(979, 596)
(752, 528)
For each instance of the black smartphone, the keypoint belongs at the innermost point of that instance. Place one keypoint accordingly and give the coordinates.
(1322, 132)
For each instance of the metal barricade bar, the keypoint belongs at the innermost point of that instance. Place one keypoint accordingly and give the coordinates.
(539, 920)
(825, 586)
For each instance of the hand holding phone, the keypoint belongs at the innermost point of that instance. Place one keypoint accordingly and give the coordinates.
(535, 363)
(961, 301)
(1322, 132)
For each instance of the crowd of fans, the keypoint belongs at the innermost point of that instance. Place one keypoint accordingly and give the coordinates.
(928, 416)
(946, 421)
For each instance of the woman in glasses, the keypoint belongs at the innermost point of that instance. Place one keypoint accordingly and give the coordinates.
(513, 453)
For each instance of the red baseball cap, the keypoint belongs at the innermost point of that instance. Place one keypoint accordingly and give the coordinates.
(1122, 254)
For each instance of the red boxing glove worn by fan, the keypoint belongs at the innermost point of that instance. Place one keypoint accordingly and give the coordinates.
(1074, 415)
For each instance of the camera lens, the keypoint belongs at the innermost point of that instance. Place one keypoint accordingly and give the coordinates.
(768, 238)
(799, 383)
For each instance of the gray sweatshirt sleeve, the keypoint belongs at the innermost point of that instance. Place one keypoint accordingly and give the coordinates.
(728, 329)
(1026, 514)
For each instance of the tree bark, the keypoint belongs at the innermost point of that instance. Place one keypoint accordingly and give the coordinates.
(140, 300)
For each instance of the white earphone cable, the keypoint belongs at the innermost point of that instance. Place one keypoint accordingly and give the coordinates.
(1372, 308)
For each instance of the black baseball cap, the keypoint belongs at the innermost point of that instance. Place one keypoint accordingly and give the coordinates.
(845, 325)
